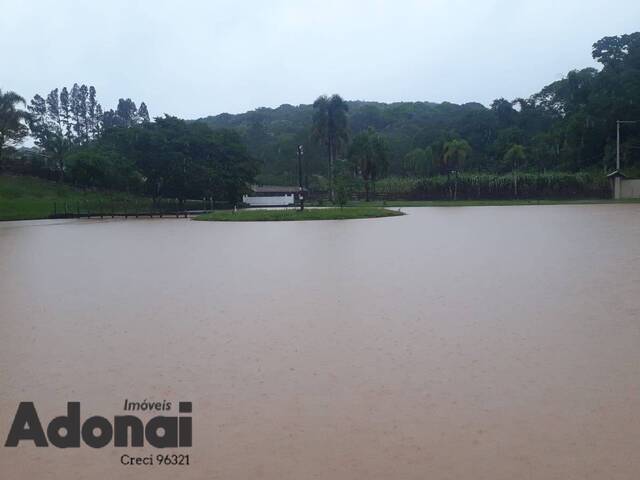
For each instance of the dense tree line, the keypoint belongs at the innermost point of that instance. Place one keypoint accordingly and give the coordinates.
(68, 118)
(123, 149)
(166, 158)
(74, 115)
(568, 126)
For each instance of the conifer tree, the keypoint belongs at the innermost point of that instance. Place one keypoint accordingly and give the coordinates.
(38, 119)
(53, 111)
(65, 112)
(91, 112)
(83, 94)
(76, 124)
(143, 113)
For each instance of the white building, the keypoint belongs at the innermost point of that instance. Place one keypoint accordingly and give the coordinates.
(624, 187)
(271, 196)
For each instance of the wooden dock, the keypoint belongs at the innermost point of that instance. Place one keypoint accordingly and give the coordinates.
(182, 214)
(125, 210)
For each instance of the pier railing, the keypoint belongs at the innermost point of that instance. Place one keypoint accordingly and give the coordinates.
(132, 208)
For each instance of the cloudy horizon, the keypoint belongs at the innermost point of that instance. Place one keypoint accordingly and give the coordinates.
(203, 58)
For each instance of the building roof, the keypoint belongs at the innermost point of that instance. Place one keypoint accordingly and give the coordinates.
(274, 189)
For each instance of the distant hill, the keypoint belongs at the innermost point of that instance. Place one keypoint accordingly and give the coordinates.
(569, 126)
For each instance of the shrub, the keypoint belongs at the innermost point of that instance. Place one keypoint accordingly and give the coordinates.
(476, 186)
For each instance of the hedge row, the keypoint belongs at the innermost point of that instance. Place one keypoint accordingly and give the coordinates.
(483, 186)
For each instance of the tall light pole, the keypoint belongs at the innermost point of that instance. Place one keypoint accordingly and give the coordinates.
(618, 123)
(300, 189)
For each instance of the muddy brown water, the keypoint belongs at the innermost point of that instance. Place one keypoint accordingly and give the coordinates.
(452, 343)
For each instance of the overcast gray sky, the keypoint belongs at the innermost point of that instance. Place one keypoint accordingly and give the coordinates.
(194, 58)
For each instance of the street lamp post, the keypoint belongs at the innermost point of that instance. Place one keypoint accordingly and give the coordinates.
(618, 123)
(300, 189)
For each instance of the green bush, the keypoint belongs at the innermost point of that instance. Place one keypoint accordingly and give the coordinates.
(484, 186)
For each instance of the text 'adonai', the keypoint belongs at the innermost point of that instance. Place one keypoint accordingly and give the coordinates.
(68, 431)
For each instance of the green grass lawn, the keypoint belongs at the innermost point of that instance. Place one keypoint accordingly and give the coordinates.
(292, 215)
(23, 198)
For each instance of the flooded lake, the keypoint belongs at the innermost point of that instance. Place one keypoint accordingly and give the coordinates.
(452, 343)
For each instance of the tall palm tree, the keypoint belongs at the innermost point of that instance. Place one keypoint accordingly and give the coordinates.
(330, 128)
(454, 154)
(369, 156)
(12, 120)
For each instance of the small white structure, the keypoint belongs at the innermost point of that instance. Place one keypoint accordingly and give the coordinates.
(630, 188)
(624, 187)
(273, 201)
(271, 196)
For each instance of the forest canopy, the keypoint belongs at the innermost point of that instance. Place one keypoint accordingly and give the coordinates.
(570, 125)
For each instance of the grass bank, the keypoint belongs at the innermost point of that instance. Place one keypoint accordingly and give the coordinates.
(27, 198)
(346, 213)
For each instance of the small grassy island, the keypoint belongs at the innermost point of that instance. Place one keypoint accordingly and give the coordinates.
(346, 213)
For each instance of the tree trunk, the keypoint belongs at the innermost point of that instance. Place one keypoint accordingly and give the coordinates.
(61, 171)
(455, 187)
(1, 147)
(331, 186)
(366, 190)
